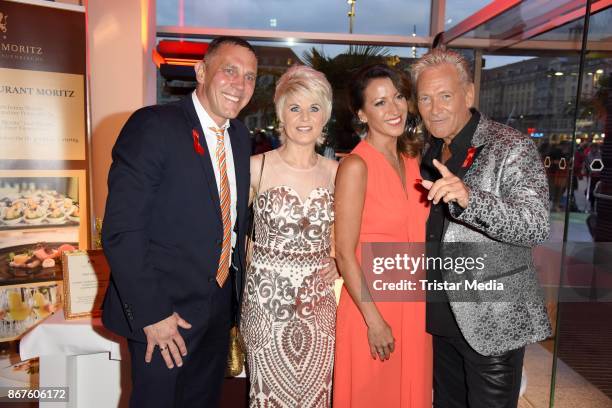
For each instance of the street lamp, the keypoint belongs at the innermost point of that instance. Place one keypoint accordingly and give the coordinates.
(351, 14)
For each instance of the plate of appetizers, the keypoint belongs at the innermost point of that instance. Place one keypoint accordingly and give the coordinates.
(12, 215)
(34, 214)
(73, 214)
(28, 259)
(38, 208)
(56, 216)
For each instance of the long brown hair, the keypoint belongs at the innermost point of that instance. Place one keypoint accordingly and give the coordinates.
(409, 143)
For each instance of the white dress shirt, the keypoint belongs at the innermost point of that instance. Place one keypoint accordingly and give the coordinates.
(211, 143)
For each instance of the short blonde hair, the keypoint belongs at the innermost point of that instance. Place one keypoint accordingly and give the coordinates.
(439, 56)
(304, 80)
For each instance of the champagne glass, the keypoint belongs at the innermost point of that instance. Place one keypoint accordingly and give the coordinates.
(40, 305)
(18, 306)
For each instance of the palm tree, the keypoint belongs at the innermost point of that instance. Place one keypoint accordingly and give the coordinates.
(262, 101)
(338, 70)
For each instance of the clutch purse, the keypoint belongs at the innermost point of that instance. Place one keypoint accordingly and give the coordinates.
(235, 355)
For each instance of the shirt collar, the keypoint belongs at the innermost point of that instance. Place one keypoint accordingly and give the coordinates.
(205, 119)
(463, 140)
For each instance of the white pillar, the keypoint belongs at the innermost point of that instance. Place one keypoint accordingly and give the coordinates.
(121, 37)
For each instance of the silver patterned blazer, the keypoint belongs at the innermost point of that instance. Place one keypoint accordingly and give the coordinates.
(507, 215)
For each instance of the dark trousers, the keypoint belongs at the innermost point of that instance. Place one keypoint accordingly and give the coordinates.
(464, 378)
(198, 382)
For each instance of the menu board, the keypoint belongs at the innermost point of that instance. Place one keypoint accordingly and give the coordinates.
(43, 156)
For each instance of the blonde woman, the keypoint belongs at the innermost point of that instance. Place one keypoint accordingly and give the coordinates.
(289, 310)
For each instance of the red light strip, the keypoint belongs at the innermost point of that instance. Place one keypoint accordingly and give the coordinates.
(541, 19)
(562, 20)
(487, 13)
(180, 61)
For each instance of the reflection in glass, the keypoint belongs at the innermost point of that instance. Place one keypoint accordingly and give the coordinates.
(584, 327)
(530, 18)
(458, 10)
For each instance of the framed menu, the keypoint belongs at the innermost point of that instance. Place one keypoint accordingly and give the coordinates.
(86, 276)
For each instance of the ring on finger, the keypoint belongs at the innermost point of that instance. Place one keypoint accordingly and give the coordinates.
(164, 348)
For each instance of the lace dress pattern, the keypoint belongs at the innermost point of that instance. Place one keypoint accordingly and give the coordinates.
(288, 311)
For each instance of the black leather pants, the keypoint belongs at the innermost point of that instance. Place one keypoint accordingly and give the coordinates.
(464, 378)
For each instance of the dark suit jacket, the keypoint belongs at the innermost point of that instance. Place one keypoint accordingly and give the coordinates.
(162, 228)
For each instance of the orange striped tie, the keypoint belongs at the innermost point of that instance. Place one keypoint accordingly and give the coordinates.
(225, 200)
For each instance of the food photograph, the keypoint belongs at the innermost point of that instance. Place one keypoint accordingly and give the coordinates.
(38, 202)
(22, 307)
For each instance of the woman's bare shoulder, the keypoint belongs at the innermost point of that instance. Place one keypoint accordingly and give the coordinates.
(353, 163)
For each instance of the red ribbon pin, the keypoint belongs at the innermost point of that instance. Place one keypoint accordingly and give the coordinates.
(196, 142)
(469, 158)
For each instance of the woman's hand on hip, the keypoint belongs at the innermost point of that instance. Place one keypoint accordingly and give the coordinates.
(329, 270)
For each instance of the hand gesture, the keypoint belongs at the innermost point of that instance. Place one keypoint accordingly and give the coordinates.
(165, 334)
(329, 270)
(447, 188)
(381, 340)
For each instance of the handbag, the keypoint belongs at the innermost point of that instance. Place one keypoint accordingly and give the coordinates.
(236, 355)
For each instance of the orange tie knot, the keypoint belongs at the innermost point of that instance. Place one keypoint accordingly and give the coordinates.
(220, 132)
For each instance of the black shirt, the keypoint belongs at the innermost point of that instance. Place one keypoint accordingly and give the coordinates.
(440, 318)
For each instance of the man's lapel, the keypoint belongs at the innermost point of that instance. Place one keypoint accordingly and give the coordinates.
(479, 140)
(428, 171)
(468, 161)
(204, 159)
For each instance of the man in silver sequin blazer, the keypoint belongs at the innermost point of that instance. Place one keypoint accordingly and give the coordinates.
(489, 200)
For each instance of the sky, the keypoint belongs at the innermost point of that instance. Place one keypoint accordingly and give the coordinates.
(372, 16)
(384, 17)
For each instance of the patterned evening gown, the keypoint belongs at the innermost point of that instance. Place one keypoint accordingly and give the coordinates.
(288, 311)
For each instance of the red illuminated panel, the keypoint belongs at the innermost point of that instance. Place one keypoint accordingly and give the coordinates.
(182, 50)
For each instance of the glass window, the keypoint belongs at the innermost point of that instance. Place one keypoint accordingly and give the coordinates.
(585, 309)
(335, 61)
(458, 10)
(528, 19)
(389, 17)
(579, 216)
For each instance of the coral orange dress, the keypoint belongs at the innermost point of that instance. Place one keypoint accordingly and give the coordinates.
(405, 380)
